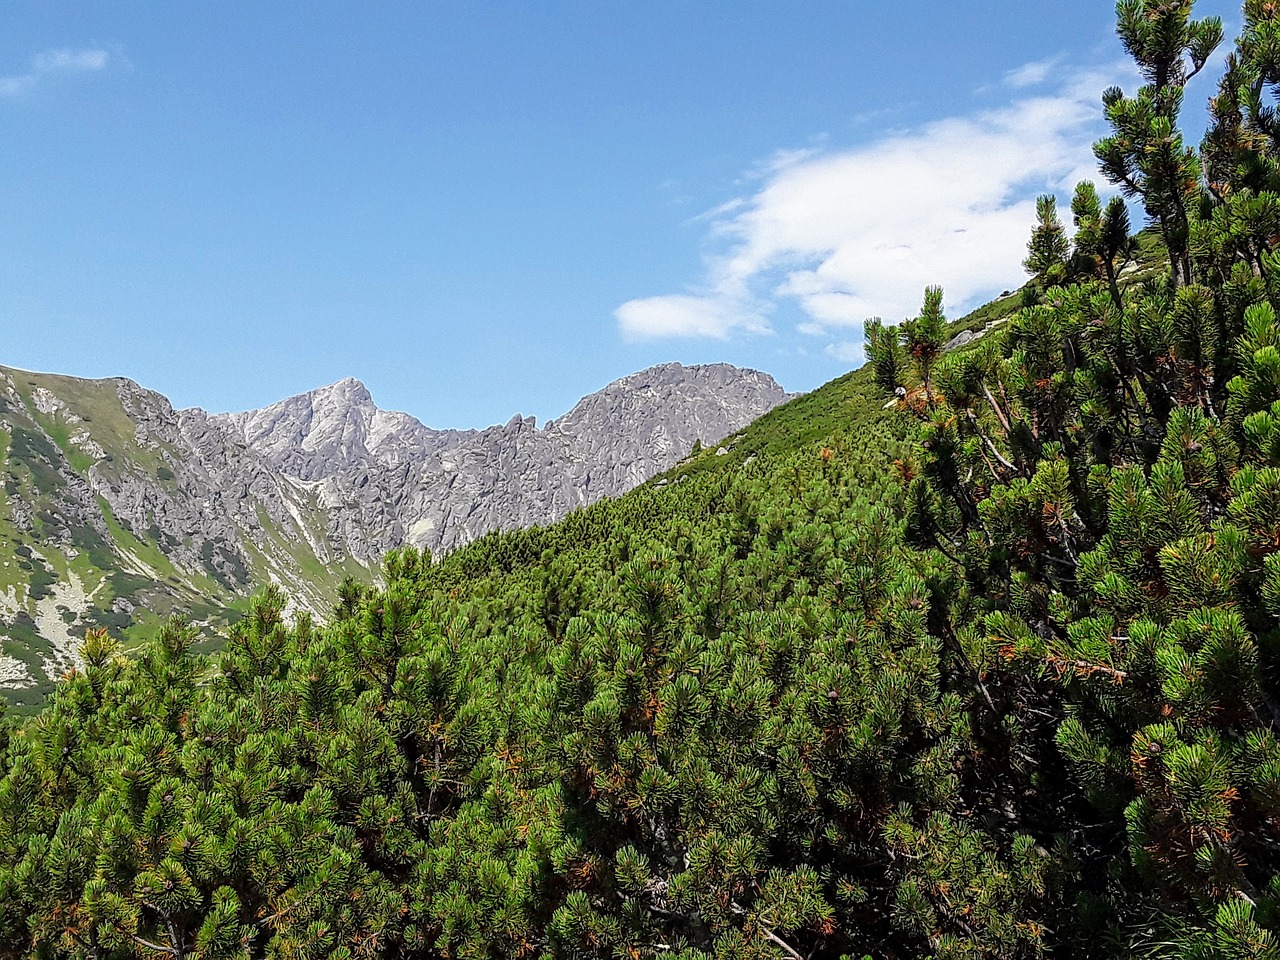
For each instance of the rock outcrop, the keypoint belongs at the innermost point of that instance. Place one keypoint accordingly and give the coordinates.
(385, 479)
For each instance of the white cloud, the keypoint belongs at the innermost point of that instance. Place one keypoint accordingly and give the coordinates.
(860, 232)
(52, 63)
(685, 315)
(1030, 74)
(70, 61)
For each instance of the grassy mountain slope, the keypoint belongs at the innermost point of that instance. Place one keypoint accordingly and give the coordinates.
(69, 563)
(102, 563)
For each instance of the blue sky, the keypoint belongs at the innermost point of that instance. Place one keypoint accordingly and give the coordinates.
(482, 208)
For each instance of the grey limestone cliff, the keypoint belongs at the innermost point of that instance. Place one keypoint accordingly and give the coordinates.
(386, 479)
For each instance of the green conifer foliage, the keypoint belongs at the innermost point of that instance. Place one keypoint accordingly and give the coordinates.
(1047, 253)
(885, 353)
(924, 337)
(1146, 156)
(989, 673)
(1108, 502)
(1102, 243)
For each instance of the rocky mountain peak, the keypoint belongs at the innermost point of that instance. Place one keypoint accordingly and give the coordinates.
(346, 392)
(441, 488)
(316, 433)
(707, 387)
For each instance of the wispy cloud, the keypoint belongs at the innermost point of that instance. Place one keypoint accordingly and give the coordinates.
(1030, 74)
(681, 315)
(52, 63)
(859, 232)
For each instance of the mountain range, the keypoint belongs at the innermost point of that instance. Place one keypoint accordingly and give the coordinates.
(119, 510)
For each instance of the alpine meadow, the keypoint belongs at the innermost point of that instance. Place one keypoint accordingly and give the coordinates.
(973, 652)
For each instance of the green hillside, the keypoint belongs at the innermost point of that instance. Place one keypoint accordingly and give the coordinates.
(69, 563)
(972, 653)
(82, 569)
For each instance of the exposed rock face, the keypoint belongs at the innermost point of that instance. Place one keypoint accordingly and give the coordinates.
(386, 479)
(119, 509)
